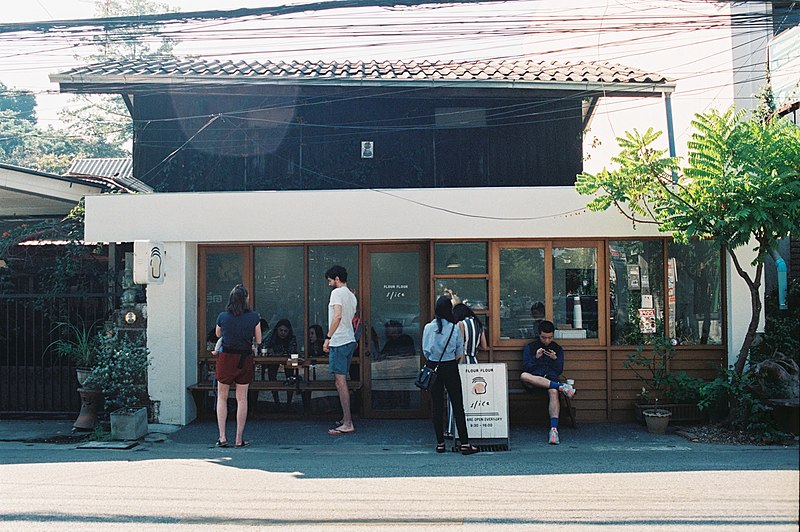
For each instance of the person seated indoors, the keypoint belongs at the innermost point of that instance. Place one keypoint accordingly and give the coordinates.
(316, 338)
(397, 343)
(282, 343)
(542, 365)
(537, 313)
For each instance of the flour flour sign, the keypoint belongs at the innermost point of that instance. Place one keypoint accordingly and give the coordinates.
(485, 389)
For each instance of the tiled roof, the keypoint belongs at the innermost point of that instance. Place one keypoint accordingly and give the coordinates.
(501, 73)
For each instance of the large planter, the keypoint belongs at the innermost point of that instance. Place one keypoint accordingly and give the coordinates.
(91, 404)
(680, 412)
(82, 374)
(656, 420)
(129, 423)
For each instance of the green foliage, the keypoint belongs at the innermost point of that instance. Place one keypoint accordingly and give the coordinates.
(749, 411)
(120, 371)
(78, 342)
(104, 119)
(658, 382)
(741, 183)
(76, 268)
(20, 103)
(100, 434)
(131, 41)
(782, 327)
(23, 143)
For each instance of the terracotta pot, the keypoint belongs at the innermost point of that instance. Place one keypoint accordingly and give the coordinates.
(91, 404)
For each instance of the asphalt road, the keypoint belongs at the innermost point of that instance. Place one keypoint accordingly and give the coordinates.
(294, 477)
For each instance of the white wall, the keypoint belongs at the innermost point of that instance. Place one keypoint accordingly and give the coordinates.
(172, 334)
(739, 307)
(523, 212)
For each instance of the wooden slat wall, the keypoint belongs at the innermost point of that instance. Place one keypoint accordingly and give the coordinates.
(625, 386)
(595, 401)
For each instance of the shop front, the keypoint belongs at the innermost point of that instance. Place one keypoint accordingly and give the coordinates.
(607, 286)
(606, 296)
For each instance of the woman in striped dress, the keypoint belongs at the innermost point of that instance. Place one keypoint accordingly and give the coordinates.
(474, 339)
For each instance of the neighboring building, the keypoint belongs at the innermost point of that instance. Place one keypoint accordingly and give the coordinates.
(114, 174)
(417, 177)
(31, 380)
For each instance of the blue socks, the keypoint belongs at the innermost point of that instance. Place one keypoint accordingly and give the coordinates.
(553, 422)
(555, 385)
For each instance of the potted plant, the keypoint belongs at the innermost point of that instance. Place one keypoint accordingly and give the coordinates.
(120, 373)
(664, 394)
(78, 343)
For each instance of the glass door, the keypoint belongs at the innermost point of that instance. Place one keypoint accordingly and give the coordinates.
(394, 315)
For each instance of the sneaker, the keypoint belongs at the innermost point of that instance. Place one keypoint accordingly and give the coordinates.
(553, 439)
(567, 389)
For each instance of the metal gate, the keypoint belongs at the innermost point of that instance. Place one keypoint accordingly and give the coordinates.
(34, 381)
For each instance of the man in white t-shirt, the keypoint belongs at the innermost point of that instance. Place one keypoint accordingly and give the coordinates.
(340, 342)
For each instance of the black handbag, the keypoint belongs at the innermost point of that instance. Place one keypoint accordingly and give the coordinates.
(427, 376)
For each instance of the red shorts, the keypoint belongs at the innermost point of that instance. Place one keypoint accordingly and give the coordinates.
(228, 371)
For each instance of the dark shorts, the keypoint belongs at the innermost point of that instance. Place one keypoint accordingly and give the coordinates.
(228, 371)
(536, 389)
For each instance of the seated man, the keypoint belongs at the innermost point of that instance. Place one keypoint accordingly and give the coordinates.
(542, 364)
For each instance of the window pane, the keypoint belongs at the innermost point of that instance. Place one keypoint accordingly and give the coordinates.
(456, 258)
(320, 259)
(278, 286)
(223, 272)
(636, 280)
(695, 293)
(575, 292)
(471, 292)
(521, 285)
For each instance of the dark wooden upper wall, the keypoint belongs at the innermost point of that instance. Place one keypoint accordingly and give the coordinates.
(225, 139)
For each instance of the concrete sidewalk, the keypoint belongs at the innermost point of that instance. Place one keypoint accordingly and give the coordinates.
(378, 433)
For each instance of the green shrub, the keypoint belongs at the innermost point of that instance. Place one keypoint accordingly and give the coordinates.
(120, 370)
(746, 409)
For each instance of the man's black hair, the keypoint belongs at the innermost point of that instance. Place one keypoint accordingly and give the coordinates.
(337, 271)
(546, 326)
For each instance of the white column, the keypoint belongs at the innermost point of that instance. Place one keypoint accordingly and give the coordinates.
(739, 308)
(172, 335)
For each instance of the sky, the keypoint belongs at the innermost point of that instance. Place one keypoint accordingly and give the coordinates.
(653, 35)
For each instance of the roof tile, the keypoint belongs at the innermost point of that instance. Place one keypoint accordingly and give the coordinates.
(522, 70)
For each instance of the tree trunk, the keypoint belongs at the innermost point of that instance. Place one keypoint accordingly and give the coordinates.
(755, 301)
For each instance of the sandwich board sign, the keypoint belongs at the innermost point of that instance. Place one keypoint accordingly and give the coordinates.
(485, 390)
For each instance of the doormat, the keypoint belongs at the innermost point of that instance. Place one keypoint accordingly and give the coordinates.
(119, 445)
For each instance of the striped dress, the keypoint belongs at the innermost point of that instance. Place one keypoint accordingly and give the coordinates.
(472, 341)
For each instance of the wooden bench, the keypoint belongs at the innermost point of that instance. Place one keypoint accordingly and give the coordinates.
(541, 400)
(305, 386)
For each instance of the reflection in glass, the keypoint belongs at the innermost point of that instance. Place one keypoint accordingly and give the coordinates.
(471, 292)
(320, 259)
(636, 282)
(458, 258)
(575, 292)
(223, 272)
(278, 285)
(521, 285)
(395, 329)
(694, 285)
